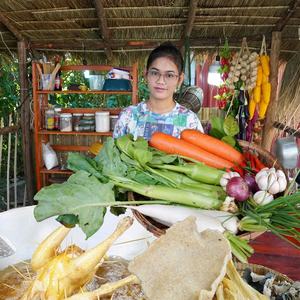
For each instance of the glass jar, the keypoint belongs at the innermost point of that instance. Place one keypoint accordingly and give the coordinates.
(77, 117)
(113, 120)
(66, 122)
(102, 121)
(57, 114)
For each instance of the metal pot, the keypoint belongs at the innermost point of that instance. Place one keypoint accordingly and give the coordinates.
(286, 150)
(20, 226)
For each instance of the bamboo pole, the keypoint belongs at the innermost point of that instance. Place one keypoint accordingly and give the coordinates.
(103, 29)
(1, 142)
(290, 11)
(269, 129)
(15, 168)
(25, 123)
(8, 166)
(9, 129)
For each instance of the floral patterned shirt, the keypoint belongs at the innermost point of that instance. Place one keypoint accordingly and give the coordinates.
(139, 120)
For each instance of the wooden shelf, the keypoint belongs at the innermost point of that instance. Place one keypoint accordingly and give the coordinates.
(74, 132)
(82, 92)
(40, 102)
(55, 170)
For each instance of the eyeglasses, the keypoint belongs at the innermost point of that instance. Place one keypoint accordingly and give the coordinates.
(169, 78)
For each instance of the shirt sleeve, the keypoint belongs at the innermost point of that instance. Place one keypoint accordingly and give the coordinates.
(123, 123)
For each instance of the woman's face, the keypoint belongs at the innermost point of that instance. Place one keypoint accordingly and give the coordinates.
(162, 86)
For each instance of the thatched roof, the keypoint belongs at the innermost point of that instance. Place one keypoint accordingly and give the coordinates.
(128, 30)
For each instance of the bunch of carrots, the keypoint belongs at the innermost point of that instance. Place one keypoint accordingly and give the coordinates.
(207, 149)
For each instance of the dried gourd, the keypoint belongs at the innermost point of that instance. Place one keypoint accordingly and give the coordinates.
(266, 91)
(256, 94)
(265, 64)
(251, 107)
(259, 76)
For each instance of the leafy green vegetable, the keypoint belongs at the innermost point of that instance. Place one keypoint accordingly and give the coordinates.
(216, 133)
(79, 196)
(218, 123)
(230, 126)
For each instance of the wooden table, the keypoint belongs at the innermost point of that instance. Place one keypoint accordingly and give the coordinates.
(272, 252)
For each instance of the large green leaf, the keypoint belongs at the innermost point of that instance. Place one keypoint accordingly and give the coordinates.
(231, 126)
(108, 159)
(216, 133)
(217, 123)
(229, 140)
(76, 196)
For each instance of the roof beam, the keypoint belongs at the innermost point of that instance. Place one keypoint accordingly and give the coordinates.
(148, 44)
(190, 18)
(292, 8)
(12, 28)
(103, 29)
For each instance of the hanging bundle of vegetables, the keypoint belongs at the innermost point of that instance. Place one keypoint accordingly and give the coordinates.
(265, 86)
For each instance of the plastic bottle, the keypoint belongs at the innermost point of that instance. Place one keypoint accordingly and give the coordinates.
(58, 78)
(102, 121)
(57, 113)
(49, 118)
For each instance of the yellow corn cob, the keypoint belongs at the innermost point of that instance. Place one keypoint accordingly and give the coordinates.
(259, 76)
(256, 93)
(251, 107)
(264, 78)
(266, 91)
(265, 64)
(96, 147)
(262, 109)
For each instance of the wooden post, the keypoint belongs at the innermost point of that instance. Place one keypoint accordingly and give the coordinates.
(269, 129)
(25, 123)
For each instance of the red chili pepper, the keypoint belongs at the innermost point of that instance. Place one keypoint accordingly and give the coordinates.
(258, 164)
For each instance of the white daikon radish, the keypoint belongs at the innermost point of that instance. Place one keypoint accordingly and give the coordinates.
(171, 214)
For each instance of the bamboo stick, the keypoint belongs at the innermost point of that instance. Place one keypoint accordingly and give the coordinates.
(15, 168)
(8, 166)
(1, 142)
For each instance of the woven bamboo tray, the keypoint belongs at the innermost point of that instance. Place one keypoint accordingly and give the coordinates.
(157, 229)
(261, 270)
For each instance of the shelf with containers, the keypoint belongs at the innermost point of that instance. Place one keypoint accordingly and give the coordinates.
(78, 141)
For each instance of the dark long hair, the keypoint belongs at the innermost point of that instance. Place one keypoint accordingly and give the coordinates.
(166, 49)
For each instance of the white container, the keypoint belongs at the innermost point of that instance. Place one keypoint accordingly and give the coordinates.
(96, 82)
(66, 122)
(102, 121)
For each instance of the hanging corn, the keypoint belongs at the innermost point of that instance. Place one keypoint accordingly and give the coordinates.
(266, 91)
(251, 107)
(256, 94)
(259, 76)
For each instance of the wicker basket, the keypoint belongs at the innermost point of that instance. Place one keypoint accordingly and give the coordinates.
(157, 229)
(191, 98)
(260, 270)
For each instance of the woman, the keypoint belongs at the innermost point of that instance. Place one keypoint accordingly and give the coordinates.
(160, 113)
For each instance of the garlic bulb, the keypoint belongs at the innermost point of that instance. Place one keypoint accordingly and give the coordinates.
(263, 197)
(271, 180)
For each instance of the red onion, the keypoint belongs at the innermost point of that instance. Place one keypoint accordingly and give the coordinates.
(252, 183)
(238, 188)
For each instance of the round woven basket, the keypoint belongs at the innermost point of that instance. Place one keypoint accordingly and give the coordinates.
(157, 229)
(261, 270)
(191, 98)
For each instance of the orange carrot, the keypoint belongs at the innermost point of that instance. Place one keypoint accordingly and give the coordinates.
(173, 145)
(212, 145)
